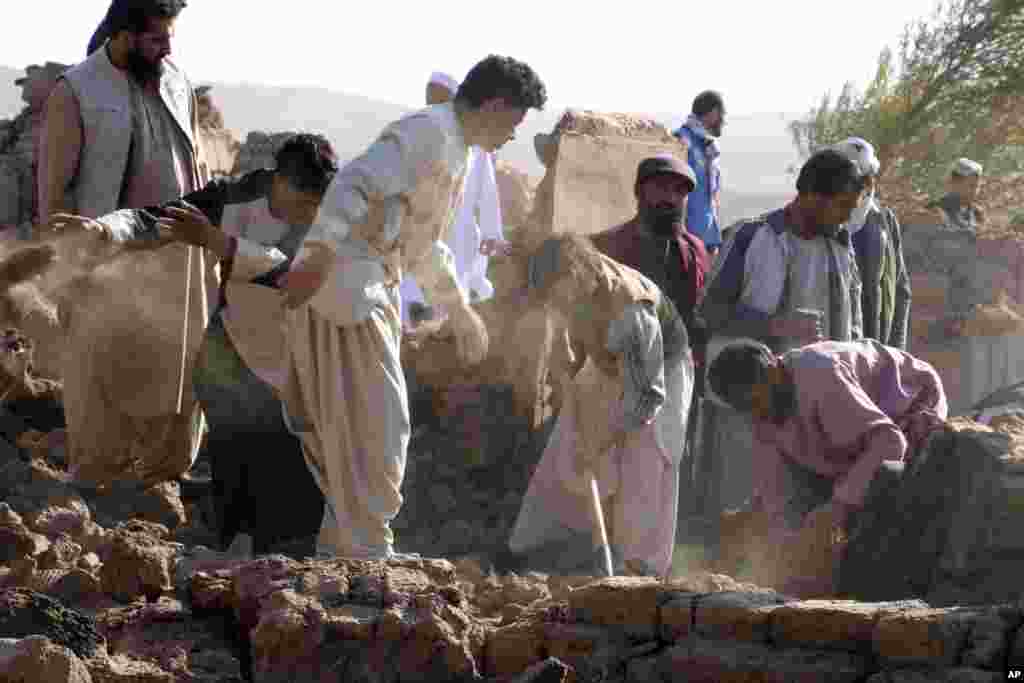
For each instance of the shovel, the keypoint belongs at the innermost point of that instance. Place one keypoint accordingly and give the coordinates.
(600, 531)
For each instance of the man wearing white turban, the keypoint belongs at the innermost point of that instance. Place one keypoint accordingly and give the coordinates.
(878, 245)
(477, 231)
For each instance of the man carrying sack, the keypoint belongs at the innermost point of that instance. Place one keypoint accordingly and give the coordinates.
(622, 424)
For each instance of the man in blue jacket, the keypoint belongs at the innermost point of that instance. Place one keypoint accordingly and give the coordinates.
(701, 131)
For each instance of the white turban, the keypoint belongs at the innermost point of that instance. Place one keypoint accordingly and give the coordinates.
(966, 168)
(444, 80)
(861, 153)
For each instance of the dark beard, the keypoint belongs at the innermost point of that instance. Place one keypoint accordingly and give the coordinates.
(143, 71)
(663, 221)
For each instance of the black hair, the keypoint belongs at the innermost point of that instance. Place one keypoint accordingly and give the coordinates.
(504, 77)
(829, 173)
(307, 162)
(707, 102)
(736, 370)
(134, 16)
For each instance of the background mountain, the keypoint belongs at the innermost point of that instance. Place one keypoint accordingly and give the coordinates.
(756, 149)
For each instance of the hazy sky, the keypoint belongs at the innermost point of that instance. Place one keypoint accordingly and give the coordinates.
(641, 57)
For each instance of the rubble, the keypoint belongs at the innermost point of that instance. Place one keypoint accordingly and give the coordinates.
(19, 143)
(119, 585)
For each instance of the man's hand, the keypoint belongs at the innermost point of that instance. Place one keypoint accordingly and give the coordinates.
(492, 247)
(302, 282)
(190, 225)
(300, 285)
(66, 223)
(833, 516)
(471, 340)
(802, 325)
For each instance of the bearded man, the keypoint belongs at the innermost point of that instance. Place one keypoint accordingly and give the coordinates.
(121, 132)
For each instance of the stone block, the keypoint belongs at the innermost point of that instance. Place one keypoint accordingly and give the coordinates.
(644, 670)
(513, 648)
(676, 617)
(959, 675)
(37, 659)
(572, 642)
(736, 615)
(713, 661)
(922, 636)
(831, 624)
(627, 602)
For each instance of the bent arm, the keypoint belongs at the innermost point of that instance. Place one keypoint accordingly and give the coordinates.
(901, 312)
(636, 337)
(374, 184)
(59, 152)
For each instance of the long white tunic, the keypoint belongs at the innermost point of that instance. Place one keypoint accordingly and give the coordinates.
(345, 396)
(478, 219)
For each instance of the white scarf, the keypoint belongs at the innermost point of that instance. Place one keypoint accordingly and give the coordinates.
(860, 214)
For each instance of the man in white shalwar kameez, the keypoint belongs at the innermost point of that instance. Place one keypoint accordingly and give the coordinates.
(385, 213)
(476, 232)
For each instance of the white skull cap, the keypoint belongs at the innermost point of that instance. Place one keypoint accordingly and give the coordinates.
(861, 153)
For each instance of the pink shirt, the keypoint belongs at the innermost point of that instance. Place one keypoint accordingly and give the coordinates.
(850, 396)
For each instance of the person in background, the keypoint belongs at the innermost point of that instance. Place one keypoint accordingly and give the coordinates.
(959, 209)
(476, 233)
(878, 244)
(700, 132)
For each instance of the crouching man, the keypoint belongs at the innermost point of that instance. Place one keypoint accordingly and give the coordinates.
(833, 424)
(253, 225)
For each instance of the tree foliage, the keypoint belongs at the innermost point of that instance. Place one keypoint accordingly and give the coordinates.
(953, 87)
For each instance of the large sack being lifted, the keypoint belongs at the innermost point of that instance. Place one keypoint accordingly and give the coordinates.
(591, 160)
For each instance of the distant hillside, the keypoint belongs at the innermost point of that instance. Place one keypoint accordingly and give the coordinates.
(756, 149)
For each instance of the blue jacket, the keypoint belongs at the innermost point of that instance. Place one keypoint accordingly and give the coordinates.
(701, 214)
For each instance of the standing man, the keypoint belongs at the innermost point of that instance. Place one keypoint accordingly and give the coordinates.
(657, 244)
(958, 209)
(386, 213)
(476, 232)
(786, 279)
(122, 132)
(701, 131)
(878, 245)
